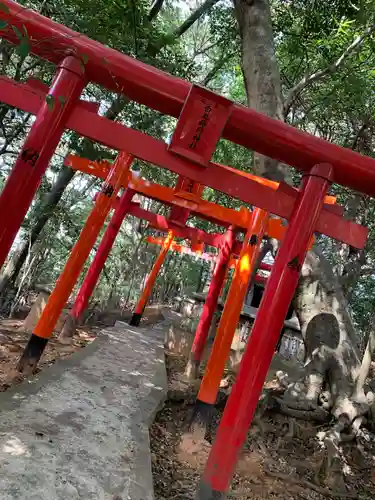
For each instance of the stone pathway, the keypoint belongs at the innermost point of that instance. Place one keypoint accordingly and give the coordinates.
(79, 430)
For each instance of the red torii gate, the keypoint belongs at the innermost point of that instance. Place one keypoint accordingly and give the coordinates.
(200, 254)
(205, 117)
(186, 198)
(190, 201)
(167, 94)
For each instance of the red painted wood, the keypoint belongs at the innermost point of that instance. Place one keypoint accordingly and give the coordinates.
(106, 244)
(184, 187)
(83, 246)
(153, 275)
(147, 148)
(162, 223)
(331, 207)
(173, 216)
(278, 294)
(200, 125)
(260, 279)
(21, 95)
(265, 266)
(36, 84)
(167, 94)
(40, 144)
(210, 304)
(224, 179)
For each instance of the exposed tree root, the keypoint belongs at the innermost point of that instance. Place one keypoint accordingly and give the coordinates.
(308, 401)
(307, 484)
(303, 410)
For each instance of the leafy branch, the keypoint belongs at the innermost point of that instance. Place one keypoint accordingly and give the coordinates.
(155, 9)
(120, 101)
(195, 15)
(220, 63)
(312, 77)
(183, 28)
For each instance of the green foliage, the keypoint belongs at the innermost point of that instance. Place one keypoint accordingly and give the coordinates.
(310, 35)
(124, 26)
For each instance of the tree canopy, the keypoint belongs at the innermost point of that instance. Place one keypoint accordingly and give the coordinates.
(325, 55)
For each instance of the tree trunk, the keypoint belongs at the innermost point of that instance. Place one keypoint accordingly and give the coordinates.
(132, 270)
(44, 212)
(320, 304)
(200, 284)
(87, 150)
(332, 364)
(260, 72)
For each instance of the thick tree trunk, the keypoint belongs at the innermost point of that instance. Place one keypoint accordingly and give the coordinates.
(260, 72)
(326, 325)
(332, 364)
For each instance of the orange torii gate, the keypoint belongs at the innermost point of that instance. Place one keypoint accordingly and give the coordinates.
(199, 252)
(183, 249)
(188, 199)
(248, 252)
(192, 201)
(203, 118)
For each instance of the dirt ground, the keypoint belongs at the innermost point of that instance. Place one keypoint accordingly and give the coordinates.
(13, 339)
(272, 466)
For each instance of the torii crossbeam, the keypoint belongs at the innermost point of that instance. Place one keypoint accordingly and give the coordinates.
(203, 118)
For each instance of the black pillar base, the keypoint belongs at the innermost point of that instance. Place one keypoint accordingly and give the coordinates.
(205, 492)
(136, 319)
(196, 423)
(32, 354)
(200, 419)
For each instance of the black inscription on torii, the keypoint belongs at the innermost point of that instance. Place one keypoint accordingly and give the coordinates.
(253, 240)
(30, 156)
(201, 126)
(190, 186)
(295, 264)
(108, 190)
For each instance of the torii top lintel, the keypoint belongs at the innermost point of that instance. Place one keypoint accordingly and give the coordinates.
(334, 225)
(167, 94)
